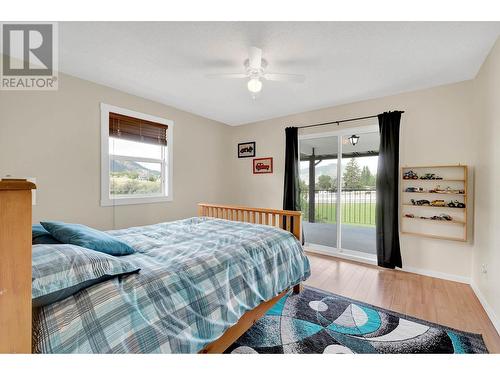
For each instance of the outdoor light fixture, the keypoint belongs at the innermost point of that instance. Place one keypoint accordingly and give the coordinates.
(354, 139)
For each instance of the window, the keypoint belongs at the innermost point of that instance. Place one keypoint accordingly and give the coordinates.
(136, 158)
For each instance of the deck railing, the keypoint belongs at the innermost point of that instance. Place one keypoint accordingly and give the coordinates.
(357, 206)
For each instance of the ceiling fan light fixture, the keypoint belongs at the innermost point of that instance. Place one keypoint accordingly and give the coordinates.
(254, 85)
(255, 73)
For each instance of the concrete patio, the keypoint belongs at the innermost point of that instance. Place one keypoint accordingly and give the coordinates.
(354, 237)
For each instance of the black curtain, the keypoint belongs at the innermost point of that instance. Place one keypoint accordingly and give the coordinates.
(388, 250)
(291, 193)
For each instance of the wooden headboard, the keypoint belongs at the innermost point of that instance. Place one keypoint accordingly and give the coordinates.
(15, 266)
(288, 220)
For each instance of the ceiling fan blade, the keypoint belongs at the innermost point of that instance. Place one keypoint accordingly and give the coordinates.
(284, 77)
(254, 58)
(227, 75)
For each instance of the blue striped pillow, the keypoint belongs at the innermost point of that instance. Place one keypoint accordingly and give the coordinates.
(59, 271)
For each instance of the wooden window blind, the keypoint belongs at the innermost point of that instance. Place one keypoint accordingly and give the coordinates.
(138, 130)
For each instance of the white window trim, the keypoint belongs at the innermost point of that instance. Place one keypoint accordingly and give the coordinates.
(106, 200)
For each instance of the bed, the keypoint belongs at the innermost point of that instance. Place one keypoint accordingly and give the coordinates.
(203, 282)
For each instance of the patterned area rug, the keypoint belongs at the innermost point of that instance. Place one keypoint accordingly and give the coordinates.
(318, 322)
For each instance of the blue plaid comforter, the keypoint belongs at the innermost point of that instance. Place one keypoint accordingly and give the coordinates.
(198, 277)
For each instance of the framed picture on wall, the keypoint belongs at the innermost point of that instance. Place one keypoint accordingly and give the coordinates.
(262, 165)
(246, 150)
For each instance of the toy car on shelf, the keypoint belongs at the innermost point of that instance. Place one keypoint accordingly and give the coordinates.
(456, 204)
(412, 189)
(410, 175)
(438, 203)
(448, 190)
(442, 217)
(420, 202)
(430, 176)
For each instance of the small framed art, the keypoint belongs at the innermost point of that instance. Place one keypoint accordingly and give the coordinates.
(262, 165)
(246, 150)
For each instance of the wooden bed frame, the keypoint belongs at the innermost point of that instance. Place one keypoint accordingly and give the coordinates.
(15, 264)
(288, 220)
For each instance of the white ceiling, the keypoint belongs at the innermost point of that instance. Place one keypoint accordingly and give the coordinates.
(343, 61)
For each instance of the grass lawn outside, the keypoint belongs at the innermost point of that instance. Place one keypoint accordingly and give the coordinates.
(352, 213)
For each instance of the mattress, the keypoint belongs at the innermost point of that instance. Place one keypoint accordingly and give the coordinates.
(198, 277)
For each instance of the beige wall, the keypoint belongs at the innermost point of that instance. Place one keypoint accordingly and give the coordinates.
(55, 137)
(487, 124)
(438, 127)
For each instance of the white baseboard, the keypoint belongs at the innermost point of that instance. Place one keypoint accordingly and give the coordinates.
(489, 310)
(352, 255)
(436, 274)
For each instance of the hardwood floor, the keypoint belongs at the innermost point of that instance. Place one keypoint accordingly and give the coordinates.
(440, 301)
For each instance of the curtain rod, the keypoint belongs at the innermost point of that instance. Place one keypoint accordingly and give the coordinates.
(339, 121)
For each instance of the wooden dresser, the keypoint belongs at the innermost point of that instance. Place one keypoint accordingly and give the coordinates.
(15, 266)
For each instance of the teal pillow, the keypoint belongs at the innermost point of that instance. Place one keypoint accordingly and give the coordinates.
(81, 235)
(59, 271)
(40, 236)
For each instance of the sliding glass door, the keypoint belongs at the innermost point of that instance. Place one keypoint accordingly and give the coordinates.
(338, 193)
(358, 198)
(318, 186)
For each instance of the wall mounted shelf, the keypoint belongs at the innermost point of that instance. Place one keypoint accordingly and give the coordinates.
(436, 221)
(428, 192)
(430, 180)
(436, 207)
(454, 177)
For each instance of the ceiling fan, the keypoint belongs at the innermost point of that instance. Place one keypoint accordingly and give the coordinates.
(255, 67)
